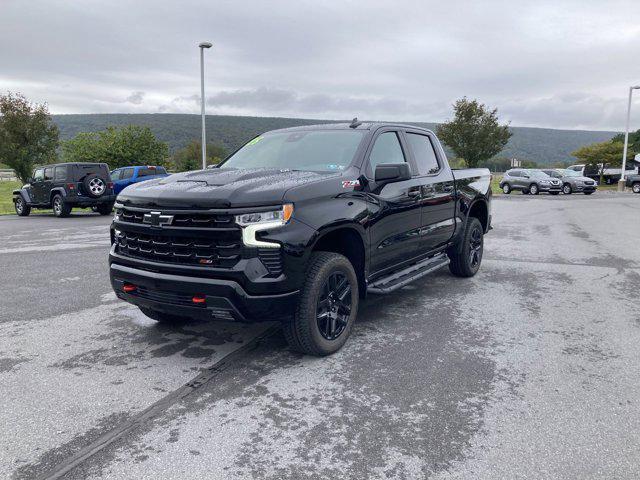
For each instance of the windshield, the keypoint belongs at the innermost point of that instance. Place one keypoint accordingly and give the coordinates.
(315, 150)
(571, 173)
(538, 174)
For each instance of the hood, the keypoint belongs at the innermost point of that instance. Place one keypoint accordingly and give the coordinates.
(219, 188)
(582, 179)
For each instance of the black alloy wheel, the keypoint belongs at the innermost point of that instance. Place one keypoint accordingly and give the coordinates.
(334, 306)
(475, 246)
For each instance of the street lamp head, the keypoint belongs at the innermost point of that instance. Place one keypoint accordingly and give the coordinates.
(205, 45)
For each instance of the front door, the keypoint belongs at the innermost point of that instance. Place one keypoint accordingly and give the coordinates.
(438, 190)
(394, 209)
(37, 186)
(48, 184)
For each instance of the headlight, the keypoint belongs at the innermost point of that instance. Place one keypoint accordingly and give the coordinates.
(544, 181)
(252, 223)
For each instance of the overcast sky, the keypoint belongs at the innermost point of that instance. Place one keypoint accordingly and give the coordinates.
(560, 63)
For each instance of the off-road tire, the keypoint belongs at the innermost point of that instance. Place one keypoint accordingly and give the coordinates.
(302, 331)
(22, 209)
(104, 208)
(60, 208)
(162, 317)
(461, 264)
(94, 186)
(506, 189)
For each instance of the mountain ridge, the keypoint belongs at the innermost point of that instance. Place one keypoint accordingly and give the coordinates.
(545, 146)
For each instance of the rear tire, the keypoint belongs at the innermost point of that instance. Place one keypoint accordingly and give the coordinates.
(566, 189)
(104, 208)
(506, 189)
(466, 259)
(327, 307)
(22, 209)
(162, 317)
(635, 188)
(534, 189)
(60, 208)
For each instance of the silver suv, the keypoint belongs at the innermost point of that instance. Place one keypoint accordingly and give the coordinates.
(531, 181)
(573, 181)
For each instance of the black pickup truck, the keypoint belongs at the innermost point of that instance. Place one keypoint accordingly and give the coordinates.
(299, 225)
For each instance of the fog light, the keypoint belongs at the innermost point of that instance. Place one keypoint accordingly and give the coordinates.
(128, 288)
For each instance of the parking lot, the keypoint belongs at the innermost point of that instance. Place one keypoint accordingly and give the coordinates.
(528, 370)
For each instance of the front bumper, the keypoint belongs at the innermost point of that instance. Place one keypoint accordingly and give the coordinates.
(550, 188)
(584, 188)
(224, 299)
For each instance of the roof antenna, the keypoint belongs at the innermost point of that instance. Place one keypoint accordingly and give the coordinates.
(355, 123)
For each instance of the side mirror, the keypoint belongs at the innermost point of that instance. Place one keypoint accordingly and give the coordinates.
(392, 172)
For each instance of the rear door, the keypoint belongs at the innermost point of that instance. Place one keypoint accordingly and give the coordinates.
(438, 190)
(395, 208)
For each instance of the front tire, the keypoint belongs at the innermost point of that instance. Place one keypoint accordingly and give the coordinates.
(22, 209)
(327, 307)
(60, 208)
(635, 188)
(506, 189)
(566, 189)
(466, 259)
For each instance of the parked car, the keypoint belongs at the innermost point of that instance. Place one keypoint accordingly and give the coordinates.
(633, 181)
(299, 225)
(125, 176)
(572, 181)
(64, 186)
(610, 175)
(531, 181)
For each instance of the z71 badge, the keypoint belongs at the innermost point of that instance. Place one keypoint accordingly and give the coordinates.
(350, 183)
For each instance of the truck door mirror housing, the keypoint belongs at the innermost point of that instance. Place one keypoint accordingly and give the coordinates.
(392, 172)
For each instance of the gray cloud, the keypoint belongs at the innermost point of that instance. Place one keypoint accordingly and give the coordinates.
(540, 62)
(135, 98)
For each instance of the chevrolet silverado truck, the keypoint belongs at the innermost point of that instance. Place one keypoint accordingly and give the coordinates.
(299, 225)
(633, 181)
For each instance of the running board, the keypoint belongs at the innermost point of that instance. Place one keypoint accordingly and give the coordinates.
(399, 279)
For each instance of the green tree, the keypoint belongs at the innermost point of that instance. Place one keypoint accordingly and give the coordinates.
(190, 157)
(117, 146)
(474, 134)
(599, 156)
(27, 135)
(634, 140)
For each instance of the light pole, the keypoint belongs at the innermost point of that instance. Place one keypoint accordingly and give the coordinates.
(621, 183)
(202, 46)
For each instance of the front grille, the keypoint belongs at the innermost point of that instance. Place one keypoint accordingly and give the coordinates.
(271, 259)
(166, 297)
(222, 251)
(187, 220)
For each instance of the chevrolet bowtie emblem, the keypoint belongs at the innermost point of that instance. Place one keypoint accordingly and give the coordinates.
(156, 219)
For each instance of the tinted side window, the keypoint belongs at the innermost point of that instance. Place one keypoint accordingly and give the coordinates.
(387, 149)
(127, 173)
(424, 153)
(48, 173)
(60, 173)
(515, 173)
(38, 175)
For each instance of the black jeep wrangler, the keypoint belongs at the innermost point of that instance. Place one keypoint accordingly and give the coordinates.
(64, 186)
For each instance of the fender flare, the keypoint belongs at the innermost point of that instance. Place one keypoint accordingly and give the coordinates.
(56, 190)
(24, 194)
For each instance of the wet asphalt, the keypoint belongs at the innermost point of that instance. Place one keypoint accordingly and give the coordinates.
(528, 370)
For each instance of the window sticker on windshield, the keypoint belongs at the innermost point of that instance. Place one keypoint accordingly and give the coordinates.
(254, 141)
(350, 183)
